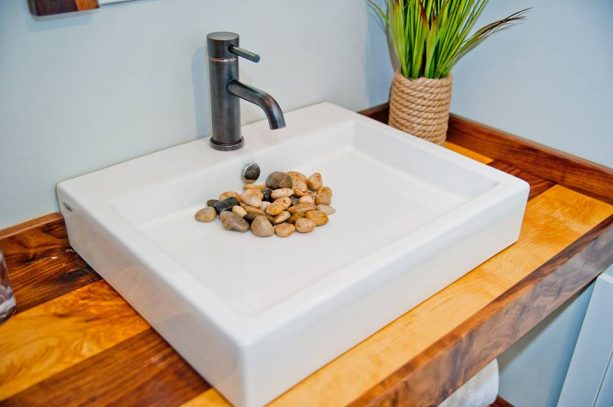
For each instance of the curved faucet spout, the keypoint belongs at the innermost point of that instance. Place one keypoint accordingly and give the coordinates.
(271, 108)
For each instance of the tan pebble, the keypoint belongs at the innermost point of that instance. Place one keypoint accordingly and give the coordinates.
(285, 202)
(301, 207)
(327, 209)
(253, 210)
(252, 197)
(229, 194)
(318, 217)
(261, 187)
(295, 217)
(297, 175)
(307, 199)
(324, 196)
(315, 182)
(301, 192)
(207, 215)
(282, 217)
(282, 192)
(284, 229)
(275, 209)
(264, 205)
(262, 227)
(240, 211)
(304, 225)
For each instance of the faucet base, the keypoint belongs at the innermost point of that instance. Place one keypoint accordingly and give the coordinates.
(225, 146)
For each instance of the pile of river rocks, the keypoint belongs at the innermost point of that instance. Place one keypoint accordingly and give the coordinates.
(288, 202)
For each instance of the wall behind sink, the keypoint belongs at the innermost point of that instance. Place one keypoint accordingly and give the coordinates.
(83, 91)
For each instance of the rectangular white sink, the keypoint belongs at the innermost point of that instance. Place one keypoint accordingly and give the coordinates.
(256, 315)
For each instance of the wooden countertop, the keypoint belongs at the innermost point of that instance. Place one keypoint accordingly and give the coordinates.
(74, 340)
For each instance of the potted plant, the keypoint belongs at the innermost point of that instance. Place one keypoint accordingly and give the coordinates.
(429, 37)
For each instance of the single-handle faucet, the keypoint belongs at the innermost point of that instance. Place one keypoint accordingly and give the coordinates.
(223, 52)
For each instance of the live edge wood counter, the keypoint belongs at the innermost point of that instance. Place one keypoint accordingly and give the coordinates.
(74, 341)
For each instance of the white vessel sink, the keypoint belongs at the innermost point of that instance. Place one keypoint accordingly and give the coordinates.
(256, 315)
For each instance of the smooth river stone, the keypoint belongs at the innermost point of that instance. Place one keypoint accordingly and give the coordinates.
(278, 180)
(307, 199)
(315, 182)
(282, 192)
(304, 225)
(327, 209)
(239, 210)
(211, 202)
(206, 215)
(228, 194)
(233, 222)
(261, 227)
(298, 180)
(225, 205)
(275, 209)
(284, 229)
(318, 217)
(252, 197)
(282, 217)
(301, 207)
(324, 196)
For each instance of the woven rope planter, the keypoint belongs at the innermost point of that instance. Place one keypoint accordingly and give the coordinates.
(421, 106)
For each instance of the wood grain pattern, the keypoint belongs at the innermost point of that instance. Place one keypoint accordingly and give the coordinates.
(49, 7)
(140, 371)
(554, 220)
(41, 263)
(77, 342)
(468, 153)
(538, 185)
(562, 168)
(58, 334)
(493, 330)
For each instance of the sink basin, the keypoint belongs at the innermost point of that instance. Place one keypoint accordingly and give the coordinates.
(256, 315)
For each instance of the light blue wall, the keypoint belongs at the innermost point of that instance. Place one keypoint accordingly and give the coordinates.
(548, 79)
(84, 91)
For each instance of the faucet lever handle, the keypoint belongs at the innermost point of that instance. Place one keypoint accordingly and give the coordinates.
(252, 56)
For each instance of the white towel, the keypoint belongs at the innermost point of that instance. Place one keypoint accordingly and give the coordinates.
(480, 391)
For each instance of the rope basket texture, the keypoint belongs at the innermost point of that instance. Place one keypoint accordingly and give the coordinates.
(421, 106)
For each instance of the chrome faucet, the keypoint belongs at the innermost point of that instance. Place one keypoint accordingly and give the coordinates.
(223, 53)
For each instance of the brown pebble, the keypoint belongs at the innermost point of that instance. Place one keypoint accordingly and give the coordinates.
(284, 229)
(304, 225)
(262, 227)
(207, 214)
(299, 180)
(315, 182)
(318, 217)
(233, 222)
(278, 180)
